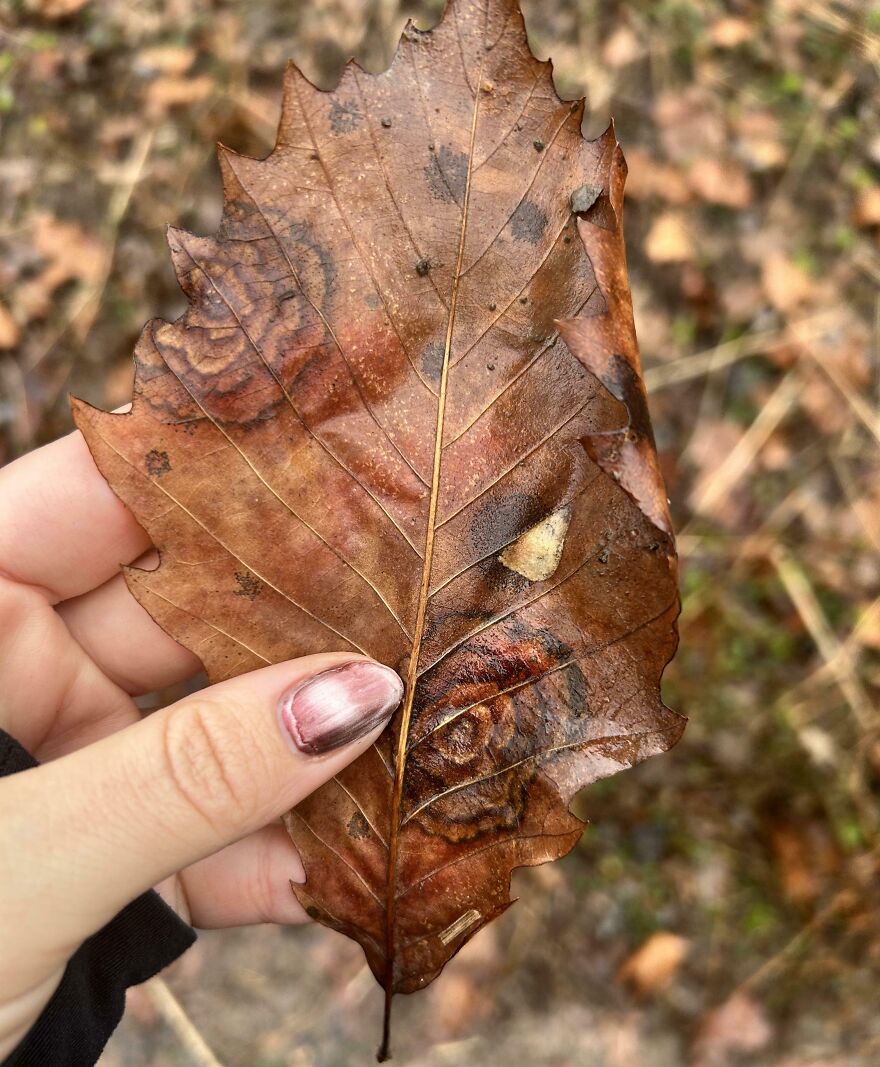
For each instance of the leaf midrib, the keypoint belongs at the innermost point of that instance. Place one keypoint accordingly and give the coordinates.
(424, 591)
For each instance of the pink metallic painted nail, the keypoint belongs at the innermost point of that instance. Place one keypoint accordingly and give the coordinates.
(339, 705)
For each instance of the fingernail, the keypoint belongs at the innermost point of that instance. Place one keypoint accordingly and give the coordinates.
(339, 705)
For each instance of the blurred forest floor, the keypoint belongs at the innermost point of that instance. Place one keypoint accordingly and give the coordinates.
(722, 907)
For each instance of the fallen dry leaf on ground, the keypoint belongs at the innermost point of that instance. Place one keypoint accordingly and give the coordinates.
(731, 32)
(721, 182)
(69, 254)
(655, 964)
(867, 209)
(403, 415)
(9, 330)
(668, 240)
(622, 48)
(738, 1025)
(786, 284)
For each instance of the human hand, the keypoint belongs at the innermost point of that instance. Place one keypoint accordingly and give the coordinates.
(186, 799)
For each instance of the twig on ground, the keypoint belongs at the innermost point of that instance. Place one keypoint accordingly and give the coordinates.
(841, 901)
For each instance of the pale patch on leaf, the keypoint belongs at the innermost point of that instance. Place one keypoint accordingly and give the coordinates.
(536, 553)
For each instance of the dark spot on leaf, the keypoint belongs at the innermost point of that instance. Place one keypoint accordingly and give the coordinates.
(358, 826)
(624, 385)
(490, 366)
(539, 145)
(386, 123)
(313, 912)
(507, 729)
(249, 586)
(603, 556)
(503, 520)
(344, 116)
(524, 300)
(528, 222)
(157, 463)
(493, 307)
(446, 174)
(310, 249)
(432, 361)
(423, 267)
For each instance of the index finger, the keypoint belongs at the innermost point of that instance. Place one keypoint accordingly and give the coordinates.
(62, 528)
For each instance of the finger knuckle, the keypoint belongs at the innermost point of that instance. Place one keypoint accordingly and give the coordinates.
(206, 766)
(19, 604)
(269, 892)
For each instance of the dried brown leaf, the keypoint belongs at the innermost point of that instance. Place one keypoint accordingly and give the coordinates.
(622, 48)
(866, 212)
(731, 32)
(786, 284)
(669, 240)
(404, 414)
(654, 965)
(10, 332)
(721, 182)
(738, 1025)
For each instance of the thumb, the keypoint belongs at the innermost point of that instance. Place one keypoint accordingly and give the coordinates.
(85, 834)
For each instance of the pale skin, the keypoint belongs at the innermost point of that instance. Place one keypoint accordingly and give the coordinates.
(186, 800)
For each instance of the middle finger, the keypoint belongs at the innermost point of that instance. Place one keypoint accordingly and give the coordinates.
(124, 641)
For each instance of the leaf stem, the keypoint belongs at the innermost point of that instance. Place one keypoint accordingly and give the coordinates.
(384, 1052)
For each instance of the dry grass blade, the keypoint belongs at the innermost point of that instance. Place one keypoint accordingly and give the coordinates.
(842, 901)
(194, 1046)
(687, 368)
(84, 312)
(859, 405)
(850, 648)
(743, 455)
(836, 656)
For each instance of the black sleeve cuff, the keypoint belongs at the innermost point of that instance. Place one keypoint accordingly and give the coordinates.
(86, 1007)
